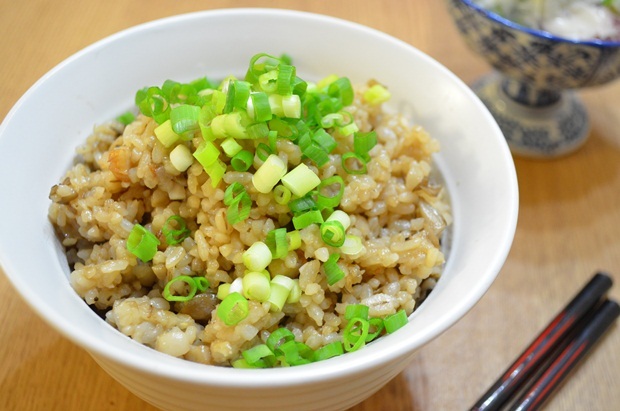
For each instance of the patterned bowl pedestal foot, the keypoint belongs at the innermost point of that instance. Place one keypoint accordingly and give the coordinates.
(536, 123)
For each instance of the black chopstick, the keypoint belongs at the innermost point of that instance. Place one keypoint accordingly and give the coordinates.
(591, 331)
(543, 346)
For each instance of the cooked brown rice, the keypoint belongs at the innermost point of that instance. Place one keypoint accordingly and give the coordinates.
(124, 176)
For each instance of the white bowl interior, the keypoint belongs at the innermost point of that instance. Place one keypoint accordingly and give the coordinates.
(40, 134)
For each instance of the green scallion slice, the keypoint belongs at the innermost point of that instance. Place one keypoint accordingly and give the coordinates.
(142, 243)
(256, 286)
(353, 163)
(257, 257)
(301, 180)
(355, 333)
(332, 233)
(309, 217)
(333, 272)
(126, 118)
(233, 309)
(242, 161)
(259, 356)
(175, 230)
(277, 242)
(356, 310)
(328, 351)
(363, 143)
(395, 321)
(193, 287)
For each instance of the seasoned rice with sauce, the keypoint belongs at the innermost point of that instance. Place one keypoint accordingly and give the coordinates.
(123, 176)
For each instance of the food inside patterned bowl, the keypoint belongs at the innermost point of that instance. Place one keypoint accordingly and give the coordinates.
(572, 19)
(260, 222)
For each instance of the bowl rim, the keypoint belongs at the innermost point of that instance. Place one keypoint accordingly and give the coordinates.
(231, 377)
(491, 15)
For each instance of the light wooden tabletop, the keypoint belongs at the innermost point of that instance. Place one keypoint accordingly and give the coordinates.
(568, 228)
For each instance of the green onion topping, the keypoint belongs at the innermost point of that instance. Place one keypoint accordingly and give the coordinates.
(142, 243)
(175, 230)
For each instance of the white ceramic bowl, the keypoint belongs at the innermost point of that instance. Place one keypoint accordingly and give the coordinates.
(39, 135)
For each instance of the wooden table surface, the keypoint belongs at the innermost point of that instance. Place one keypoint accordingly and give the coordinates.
(569, 223)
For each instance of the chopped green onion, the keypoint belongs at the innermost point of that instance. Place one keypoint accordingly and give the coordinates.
(314, 152)
(268, 81)
(294, 240)
(301, 180)
(183, 278)
(352, 245)
(259, 356)
(142, 243)
(332, 233)
(184, 119)
(395, 321)
(363, 143)
(152, 103)
(309, 217)
(258, 131)
(236, 286)
(277, 297)
(281, 194)
(284, 281)
(259, 108)
(206, 154)
(232, 192)
(376, 326)
(175, 230)
(303, 204)
(165, 134)
(286, 75)
(342, 89)
(239, 209)
(291, 106)
(376, 94)
(230, 147)
(216, 172)
(201, 83)
(233, 309)
(223, 290)
(276, 241)
(324, 140)
(295, 293)
(348, 129)
(328, 351)
(263, 151)
(257, 257)
(242, 161)
(176, 92)
(279, 337)
(268, 175)
(339, 215)
(241, 93)
(327, 194)
(355, 333)
(358, 165)
(256, 286)
(242, 363)
(126, 118)
(296, 353)
(181, 158)
(356, 310)
(201, 283)
(333, 272)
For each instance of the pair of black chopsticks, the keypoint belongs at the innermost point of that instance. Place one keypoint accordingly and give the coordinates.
(539, 370)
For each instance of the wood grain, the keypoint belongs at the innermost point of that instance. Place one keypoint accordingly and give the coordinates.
(568, 226)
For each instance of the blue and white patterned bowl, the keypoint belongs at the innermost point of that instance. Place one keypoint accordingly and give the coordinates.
(531, 98)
